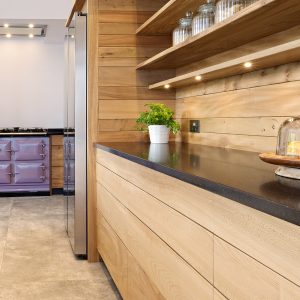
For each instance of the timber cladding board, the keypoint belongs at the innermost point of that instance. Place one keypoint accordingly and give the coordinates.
(241, 112)
(123, 91)
(271, 241)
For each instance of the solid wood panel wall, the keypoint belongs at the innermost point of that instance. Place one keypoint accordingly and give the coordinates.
(244, 111)
(123, 91)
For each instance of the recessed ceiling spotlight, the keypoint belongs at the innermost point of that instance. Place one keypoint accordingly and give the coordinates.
(30, 35)
(8, 35)
(167, 86)
(72, 36)
(198, 78)
(30, 25)
(6, 25)
(248, 64)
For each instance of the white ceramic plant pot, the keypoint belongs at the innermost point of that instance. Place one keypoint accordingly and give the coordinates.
(159, 134)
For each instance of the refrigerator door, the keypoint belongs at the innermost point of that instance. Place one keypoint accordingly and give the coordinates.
(76, 141)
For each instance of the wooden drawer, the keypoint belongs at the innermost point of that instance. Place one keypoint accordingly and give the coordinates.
(192, 242)
(139, 285)
(240, 277)
(114, 254)
(174, 277)
(218, 295)
(271, 241)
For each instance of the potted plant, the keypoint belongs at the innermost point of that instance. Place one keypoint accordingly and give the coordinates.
(159, 121)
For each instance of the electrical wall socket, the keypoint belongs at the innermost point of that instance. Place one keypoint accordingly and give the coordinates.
(195, 126)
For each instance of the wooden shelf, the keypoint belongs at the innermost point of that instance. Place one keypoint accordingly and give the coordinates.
(285, 53)
(166, 19)
(263, 18)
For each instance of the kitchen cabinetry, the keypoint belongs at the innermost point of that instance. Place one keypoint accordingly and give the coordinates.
(24, 164)
(190, 243)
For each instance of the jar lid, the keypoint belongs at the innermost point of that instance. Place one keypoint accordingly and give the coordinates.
(185, 22)
(210, 6)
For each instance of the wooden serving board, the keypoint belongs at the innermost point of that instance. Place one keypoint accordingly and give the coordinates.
(279, 160)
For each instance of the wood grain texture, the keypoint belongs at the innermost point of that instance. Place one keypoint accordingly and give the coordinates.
(131, 5)
(114, 254)
(240, 277)
(267, 58)
(162, 220)
(174, 278)
(92, 123)
(119, 51)
(57, 177)
(77, 6)
(166, 18)
(57, 161)
(271, 241)
(139, 285)
(250, 24)
(218, 295)
(264, 101)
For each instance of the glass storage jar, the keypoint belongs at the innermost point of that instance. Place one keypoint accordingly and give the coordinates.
(227, 8)
(289, 138)
(184, 30)
(205, 17)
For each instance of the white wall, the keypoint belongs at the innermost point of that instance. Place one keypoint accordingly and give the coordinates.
(35, 9)
(32, 80)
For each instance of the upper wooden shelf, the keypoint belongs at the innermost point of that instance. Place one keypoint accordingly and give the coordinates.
(286, 53)
(263, 18)
(166, 19)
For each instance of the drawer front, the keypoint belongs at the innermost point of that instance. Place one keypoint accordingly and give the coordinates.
(263, 237)
(240, 277)
(5, 173)
(30, 173)
(139, 285)
(114, 254)
(174, 277)
(30, 149)
(5, 150)
(189, 240)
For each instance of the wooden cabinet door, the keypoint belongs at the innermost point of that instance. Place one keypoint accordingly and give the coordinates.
(240, 277)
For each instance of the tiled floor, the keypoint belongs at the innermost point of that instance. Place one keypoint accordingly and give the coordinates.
(36, 260)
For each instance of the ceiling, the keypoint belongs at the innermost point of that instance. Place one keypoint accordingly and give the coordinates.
(35, 9)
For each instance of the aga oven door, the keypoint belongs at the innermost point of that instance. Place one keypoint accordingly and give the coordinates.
(30, 149)
(5, 150)
(5, 173)
(30, 173)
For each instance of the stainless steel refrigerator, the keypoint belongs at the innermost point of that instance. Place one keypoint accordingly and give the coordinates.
(75, 137)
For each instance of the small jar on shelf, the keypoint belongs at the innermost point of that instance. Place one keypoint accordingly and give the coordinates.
(205, 17)
(289, 138)
(184, 30)
(227, 8)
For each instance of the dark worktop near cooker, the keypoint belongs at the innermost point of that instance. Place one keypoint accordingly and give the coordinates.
(238, 175)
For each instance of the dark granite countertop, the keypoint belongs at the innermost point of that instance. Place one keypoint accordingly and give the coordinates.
(237, 175)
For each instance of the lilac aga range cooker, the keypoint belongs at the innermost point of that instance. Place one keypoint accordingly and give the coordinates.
(24, 164)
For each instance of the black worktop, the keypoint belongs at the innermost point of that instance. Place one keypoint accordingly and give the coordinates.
(238, 175)
(48, 132)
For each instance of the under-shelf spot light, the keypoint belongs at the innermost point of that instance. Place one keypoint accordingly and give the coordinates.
(167, 86)
(30, 25)
(198, 78)
(8, 35)
(6, 25)
(31, 36)
(248, 64)
(72, 36)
